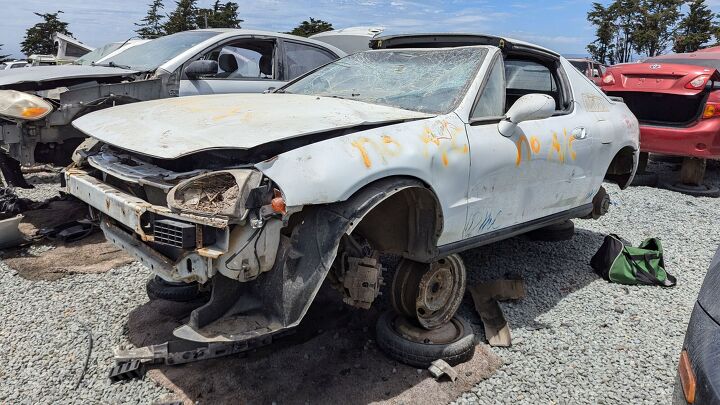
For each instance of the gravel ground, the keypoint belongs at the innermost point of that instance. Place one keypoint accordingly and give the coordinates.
(577, 339)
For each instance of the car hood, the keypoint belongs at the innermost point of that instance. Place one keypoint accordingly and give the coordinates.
(174, 127)
(39, 77)
(668, 78)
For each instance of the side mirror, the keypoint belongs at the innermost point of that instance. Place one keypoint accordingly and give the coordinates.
(527, 108)
(201, 68)
(595, 73)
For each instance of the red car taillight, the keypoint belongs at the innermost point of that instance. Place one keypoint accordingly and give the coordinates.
(697, 83)
(608, 79)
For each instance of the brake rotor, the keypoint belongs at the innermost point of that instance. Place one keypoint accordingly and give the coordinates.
(429, 293)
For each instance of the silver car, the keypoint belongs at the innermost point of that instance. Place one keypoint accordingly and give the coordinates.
(424, 148)
(37, 104)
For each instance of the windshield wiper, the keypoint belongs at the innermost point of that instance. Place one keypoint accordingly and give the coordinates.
(112, 64)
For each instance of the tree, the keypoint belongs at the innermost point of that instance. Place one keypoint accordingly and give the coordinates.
(183, 18)
(312, 27)
(220, 16)
(3, 58)
(696, 28)
(39, 37)
(656, 26)
(602, 48)
(151, 26)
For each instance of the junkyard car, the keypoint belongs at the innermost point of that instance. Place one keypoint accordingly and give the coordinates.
(594, 70)
(13, 64)
(412, 151)
(676, 98)
(698, 379)
(37, 104)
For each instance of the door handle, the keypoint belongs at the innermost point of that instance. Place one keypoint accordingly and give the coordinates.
(579, 133)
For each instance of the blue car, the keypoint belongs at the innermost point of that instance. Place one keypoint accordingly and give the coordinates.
(698, 379)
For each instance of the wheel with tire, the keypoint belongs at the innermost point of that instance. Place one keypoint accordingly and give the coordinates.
(431, 293)
(554, 233)
(157, 288)
(646, 179)
(403, 340)
(703, 190)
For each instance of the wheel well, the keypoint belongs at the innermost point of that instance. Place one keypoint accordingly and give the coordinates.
(408, 223)
(622, 167)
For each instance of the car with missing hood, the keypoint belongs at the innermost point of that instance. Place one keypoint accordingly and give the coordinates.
(422, 148)
(37, 104)
(676, 98)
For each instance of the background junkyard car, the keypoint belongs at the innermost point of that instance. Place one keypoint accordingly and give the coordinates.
(37, 104)
(407, 150)
(677, 101)
(594, 70)
(698, 379)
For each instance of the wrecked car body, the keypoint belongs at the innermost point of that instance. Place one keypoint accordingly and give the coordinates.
(415, 152)
(35, 125)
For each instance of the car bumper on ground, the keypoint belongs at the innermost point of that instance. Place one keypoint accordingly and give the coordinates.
(701, 140)
(702, 343)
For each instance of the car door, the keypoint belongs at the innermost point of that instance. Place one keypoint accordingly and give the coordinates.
(300, 58)
(245, 65)
(534, 172)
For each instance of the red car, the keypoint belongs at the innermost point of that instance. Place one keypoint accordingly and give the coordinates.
(676, 99)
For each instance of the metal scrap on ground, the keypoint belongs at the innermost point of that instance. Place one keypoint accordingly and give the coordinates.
(486, 296)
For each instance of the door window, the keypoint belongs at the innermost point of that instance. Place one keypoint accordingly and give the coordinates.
(528, 76)
(248, 59)
(304, 58)
(492, 99)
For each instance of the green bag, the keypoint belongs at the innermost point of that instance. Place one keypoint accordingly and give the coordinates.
(622, 264)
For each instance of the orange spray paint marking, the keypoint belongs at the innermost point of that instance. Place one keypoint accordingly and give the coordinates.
(556, 147)
(535, 144)
(445, 159)
(360, 146)
(519, 144)
(570, 141)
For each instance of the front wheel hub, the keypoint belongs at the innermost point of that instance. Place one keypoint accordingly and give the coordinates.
(429, 293)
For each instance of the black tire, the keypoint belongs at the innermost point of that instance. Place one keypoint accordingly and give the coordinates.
(418, 354)
(554, 233)
(157, 288)
(646, 179)
(643, 162)
(703, 190)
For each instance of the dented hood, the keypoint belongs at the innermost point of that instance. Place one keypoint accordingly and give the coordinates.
(38, 77)
(174, 127)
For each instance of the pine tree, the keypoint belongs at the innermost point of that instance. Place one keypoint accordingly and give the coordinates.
(3, 58)
(696, 28)
(183, 18)
(312, 27)
(39, 37)
(602, 48)
(151, 26)
(220, 16)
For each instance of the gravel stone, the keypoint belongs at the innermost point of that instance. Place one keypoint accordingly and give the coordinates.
(577, 338)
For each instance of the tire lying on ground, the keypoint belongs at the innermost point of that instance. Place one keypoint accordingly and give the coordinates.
(553, 233)
(407, 343)
(157, 288)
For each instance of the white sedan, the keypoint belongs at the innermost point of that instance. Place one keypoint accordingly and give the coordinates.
(423, 147)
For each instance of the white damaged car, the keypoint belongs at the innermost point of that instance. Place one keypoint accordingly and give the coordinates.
(424, 147)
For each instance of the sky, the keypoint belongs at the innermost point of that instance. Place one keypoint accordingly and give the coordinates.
(558, 25)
